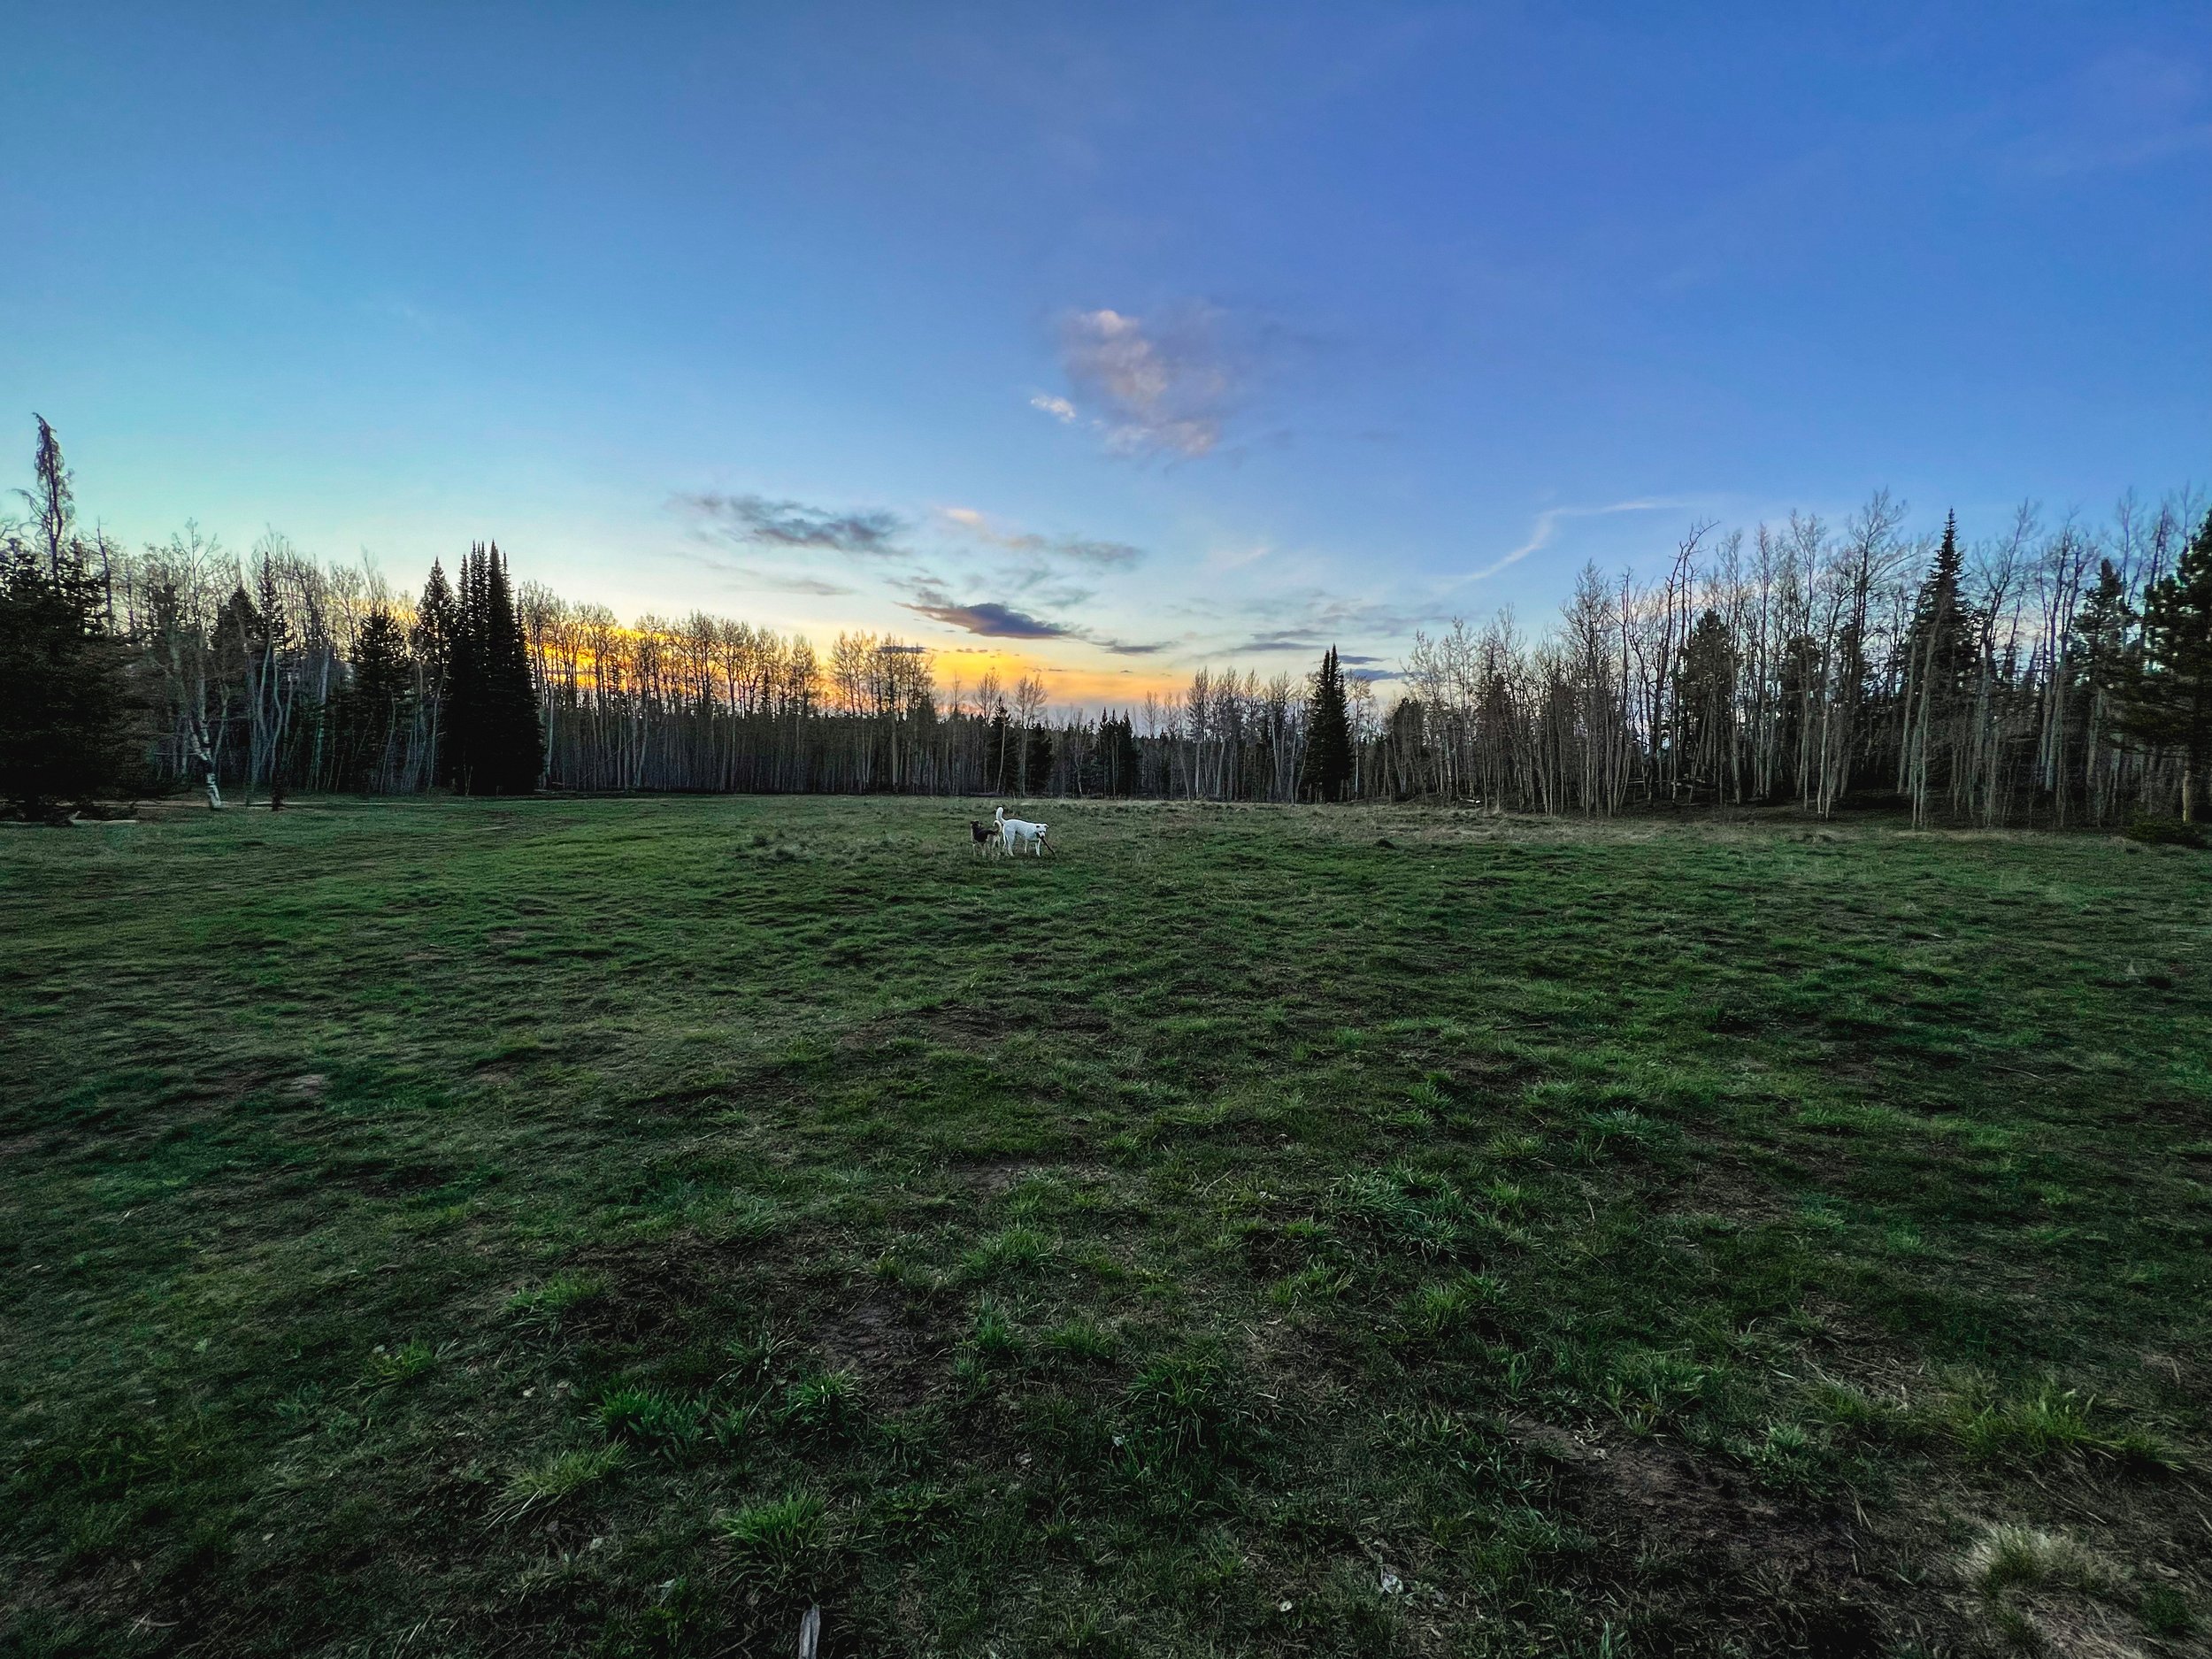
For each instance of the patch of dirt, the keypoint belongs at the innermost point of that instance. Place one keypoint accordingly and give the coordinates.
(874, 1340)
(1708, 1561)
(1720, 1186)
(661, 1290)
(308, 1086)
(379, 1177)
(993, 1178)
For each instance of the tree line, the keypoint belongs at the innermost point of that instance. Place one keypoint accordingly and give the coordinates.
(2058, 675)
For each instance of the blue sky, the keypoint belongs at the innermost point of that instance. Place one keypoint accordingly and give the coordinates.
(1120, 338)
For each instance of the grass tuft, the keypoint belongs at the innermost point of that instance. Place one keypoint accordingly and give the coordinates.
(2008, 1557)
(787, 1542)
(559, 1476)
(406, 1364)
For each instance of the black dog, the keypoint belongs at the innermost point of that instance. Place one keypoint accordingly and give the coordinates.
(986, 834)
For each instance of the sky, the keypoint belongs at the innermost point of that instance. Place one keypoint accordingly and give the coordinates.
(1107, 340)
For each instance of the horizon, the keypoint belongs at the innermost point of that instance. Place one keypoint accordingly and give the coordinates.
(1109, 351)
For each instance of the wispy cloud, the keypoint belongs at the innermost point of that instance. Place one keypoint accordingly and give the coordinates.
(2127, 108)
(758, 581)
(794, 527)
(1546, 525)
(1075, 550)
(1162, 386)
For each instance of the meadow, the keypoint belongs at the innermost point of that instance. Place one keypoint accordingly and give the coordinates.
(543, 1226)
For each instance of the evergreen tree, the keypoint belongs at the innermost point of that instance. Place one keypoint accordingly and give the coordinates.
(2102, 657)
(1704, 704)
(514, 742)
(1037, 761)
(1328, 733)
(437, 622)
(2172, 695)
(369, 710)
(65, 703)
(1944, 626)
(998, 749)
(1121, 765)
(493, 741)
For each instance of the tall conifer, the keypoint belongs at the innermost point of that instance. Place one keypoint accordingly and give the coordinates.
(2172, 701)
(1328, 733)
(65, 697)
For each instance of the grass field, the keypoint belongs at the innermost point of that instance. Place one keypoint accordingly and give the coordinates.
(543, 1227)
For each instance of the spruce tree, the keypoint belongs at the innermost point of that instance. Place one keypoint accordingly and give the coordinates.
(998, 749)
(369, 710)
(65, 698)
(493, 741)
(1328, 733)
(1118, 757)
(2171, 702)
(514, 741)
(1037, 761)
(1943, 624)
(2102, 656)
(437, 619)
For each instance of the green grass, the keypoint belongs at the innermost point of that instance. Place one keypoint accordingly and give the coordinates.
(606, 1227)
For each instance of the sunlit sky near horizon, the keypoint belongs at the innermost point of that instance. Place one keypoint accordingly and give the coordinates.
(1122, 339)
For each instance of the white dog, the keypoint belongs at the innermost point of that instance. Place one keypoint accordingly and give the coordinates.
(1017, 832)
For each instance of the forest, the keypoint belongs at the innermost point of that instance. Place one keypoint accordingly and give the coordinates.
(2051, 673)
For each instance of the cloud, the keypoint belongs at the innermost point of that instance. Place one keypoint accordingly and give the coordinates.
(770, 582)
(1260, 644)
(1547, 524)
(759, 522)
(1163, 386)
(1076, 549)
(995, 621)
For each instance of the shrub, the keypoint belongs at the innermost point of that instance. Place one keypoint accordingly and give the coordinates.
(2164, 832)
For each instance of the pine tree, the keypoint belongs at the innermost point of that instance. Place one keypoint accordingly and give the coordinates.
(1328, 733)
(2171, 702)
(65, 698)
